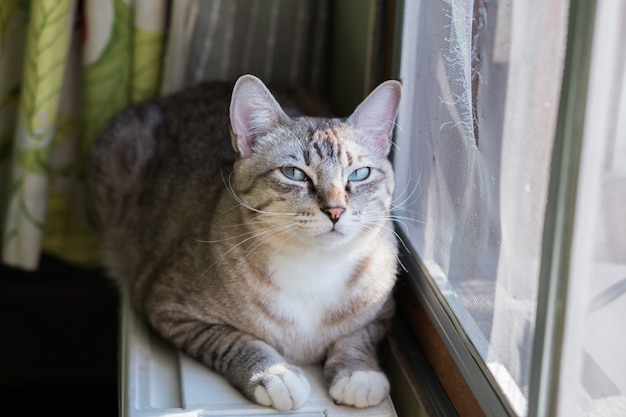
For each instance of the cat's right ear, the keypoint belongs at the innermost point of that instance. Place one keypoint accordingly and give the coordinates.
(254, 112)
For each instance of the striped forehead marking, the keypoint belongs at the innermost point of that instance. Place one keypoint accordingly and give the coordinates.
(328, 144)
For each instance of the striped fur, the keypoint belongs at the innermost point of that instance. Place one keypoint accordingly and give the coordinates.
(255, 261)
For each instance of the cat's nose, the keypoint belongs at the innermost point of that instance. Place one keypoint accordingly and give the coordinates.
(334, 212)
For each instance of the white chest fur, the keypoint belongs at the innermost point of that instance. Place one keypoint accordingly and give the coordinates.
(309, 286)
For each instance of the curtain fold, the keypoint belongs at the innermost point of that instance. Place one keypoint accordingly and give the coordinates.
(47, 46)
(82, 62)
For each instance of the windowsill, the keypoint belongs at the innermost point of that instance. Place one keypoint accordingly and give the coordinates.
(157, 380)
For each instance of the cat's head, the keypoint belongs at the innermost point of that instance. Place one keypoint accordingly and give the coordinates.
(313, 181)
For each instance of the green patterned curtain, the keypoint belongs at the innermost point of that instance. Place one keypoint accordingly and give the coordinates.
(65, 67)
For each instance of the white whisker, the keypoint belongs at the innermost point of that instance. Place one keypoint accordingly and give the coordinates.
(258, 237)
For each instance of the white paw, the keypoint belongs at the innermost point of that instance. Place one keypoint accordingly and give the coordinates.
(360, 389)
(281, 387)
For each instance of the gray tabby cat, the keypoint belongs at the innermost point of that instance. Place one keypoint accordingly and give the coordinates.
(281, 253)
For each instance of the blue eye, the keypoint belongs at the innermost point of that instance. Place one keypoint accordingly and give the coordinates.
(294, 173)
(359, 174)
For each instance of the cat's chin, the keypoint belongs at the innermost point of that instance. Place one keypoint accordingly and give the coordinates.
(331, 239)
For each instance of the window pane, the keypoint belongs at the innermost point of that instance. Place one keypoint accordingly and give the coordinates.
(482, 82)
(595, 341)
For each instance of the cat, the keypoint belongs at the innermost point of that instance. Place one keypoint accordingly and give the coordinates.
(259, 254)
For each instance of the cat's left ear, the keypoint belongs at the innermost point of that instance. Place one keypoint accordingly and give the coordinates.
(376, 115)
(254, 112)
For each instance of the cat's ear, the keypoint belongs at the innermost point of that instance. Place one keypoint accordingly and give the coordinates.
(254, 112)
(376, 115)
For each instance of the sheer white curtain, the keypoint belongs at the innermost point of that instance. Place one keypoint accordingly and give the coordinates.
(474, 146)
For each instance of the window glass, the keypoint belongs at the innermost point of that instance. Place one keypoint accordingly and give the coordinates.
(474, 145)
(595, 341)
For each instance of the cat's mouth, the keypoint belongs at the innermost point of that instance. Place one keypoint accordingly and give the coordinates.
(333, 235)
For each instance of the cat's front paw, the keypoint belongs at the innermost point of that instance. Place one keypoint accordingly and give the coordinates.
(283, 387)
(360, 388)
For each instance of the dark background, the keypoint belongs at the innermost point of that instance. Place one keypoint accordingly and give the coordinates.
(59, 349)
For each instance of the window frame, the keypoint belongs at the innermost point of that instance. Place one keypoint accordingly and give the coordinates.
(554, 283)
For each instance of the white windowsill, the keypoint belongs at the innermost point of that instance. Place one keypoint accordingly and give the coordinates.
(157, 380)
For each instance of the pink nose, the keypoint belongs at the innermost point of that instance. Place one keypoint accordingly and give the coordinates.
(334, 213)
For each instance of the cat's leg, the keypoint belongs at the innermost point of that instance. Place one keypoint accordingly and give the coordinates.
(353, 373)
(252, 366)
(351, 368)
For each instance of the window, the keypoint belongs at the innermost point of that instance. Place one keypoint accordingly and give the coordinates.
(510, 176)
